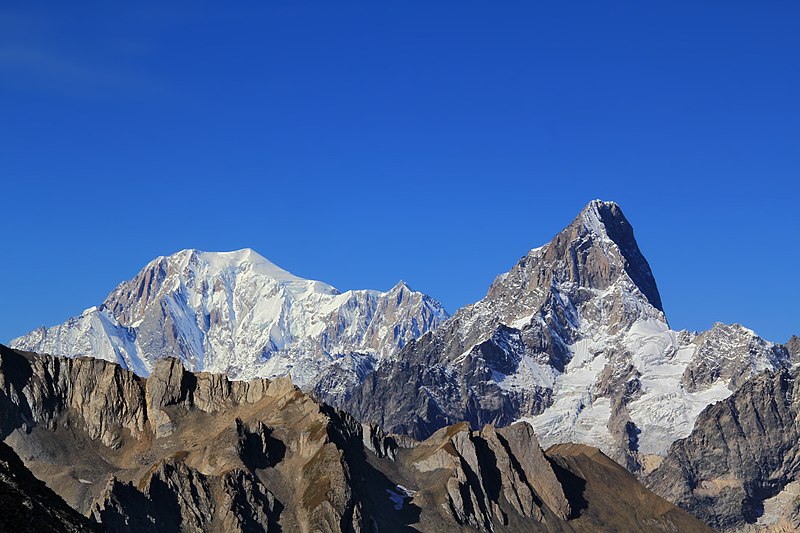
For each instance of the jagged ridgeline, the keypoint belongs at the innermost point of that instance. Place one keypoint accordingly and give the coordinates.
(239, 314)
(573, 341)
(180, 451)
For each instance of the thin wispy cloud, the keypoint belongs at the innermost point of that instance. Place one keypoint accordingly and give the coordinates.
(39, 68)
(39, 54)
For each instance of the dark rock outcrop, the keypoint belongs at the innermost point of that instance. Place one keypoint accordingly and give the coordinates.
(793, 347)
(27, 505)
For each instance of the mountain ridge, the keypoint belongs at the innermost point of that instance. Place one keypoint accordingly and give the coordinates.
(573, 339)
(571, 344)
(199, 452)
(238, 313)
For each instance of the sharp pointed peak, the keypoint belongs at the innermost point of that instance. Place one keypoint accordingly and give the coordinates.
(598, 204)
(600, 216)
(605, 221)
(400, 285)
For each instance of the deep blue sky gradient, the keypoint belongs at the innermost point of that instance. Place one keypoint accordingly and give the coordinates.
(363, 143)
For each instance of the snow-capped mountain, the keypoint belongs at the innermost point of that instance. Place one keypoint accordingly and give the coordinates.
(574, 340)
(238, 313)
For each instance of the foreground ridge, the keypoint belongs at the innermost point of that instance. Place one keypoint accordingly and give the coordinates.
(198, 452)
(28, 505)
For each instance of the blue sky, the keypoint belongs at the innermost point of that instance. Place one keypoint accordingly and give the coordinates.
(363, 143)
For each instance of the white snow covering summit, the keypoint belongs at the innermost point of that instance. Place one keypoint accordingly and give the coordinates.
(572, 339)
(240, 314)
(629, 381)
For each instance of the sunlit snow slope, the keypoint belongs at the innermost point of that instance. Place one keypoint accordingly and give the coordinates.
(238, 313)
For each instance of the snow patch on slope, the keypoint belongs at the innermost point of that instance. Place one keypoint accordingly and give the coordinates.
(666, 411)
(577, 414)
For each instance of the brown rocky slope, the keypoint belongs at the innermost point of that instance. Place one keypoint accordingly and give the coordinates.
(196, 452)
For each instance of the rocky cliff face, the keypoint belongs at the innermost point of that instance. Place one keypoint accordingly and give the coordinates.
(239, 314)
(198, 452)
(739, 469)
(574, 340)
(793, 347)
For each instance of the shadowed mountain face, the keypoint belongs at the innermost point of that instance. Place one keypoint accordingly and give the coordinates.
(27, 505)
(197, 452)
(636, 267)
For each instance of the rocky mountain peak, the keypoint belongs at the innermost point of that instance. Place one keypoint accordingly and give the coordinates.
(596, 257)
(606, 221)
(574, 340)
(400, 286)
(501, 358)
(733, 353)
(597, 213)
(793, 347)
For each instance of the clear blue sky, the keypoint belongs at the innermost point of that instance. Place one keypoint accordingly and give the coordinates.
(362, 143)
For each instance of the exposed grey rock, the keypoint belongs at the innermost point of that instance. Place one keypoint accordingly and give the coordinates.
(518, 440)
(106, 400)
(793, 347)
(336, 383)
(729, 352)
